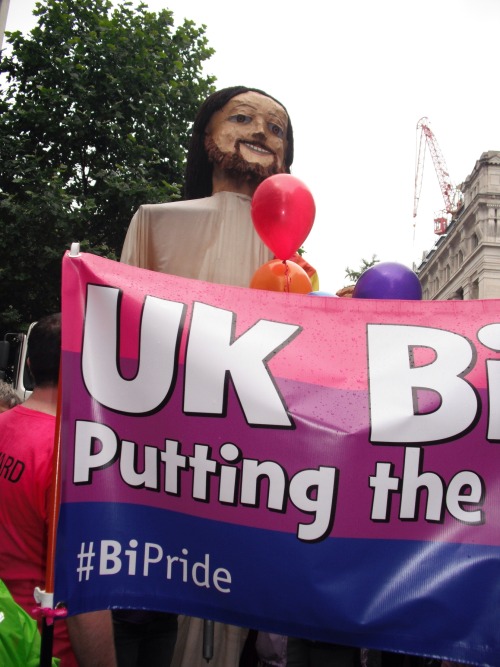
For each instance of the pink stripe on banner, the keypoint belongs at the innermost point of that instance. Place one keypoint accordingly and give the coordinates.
(323, 354)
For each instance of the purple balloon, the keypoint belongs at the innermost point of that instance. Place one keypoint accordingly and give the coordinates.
(388, 280)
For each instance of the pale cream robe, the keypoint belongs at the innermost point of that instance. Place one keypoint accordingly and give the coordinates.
(211, 239)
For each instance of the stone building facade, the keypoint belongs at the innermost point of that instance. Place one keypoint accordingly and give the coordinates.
(465, 262)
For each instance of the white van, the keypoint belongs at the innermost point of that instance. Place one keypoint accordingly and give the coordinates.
(13, 367)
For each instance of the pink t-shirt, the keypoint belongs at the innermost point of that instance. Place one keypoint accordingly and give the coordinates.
(26, 448)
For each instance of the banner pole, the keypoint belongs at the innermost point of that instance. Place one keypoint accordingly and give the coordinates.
(46, 597)
(47, 643)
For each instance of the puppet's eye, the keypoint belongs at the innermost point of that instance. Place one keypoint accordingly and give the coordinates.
(276, 130)
(240, 118)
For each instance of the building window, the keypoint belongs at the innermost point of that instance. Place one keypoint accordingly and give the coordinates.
(474, 241)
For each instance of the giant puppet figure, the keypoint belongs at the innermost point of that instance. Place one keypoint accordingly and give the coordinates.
(240, 137)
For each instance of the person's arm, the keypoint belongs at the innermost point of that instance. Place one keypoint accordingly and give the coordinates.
(92, 639)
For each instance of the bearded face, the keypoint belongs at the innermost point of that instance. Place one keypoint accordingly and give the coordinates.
(247, 137)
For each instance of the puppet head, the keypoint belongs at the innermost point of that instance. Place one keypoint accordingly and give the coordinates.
(220, 136)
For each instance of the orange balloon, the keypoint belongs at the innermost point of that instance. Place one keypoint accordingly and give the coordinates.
(280, 276)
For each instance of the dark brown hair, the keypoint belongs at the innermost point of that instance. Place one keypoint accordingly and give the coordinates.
(44, 350)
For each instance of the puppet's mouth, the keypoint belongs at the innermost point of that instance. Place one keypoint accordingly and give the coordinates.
(256, 148)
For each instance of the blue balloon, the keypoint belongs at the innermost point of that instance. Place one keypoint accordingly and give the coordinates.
(320, 293)
(388, 280)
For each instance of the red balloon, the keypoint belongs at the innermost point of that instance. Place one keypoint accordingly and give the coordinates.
(283, 213)
(280, 276)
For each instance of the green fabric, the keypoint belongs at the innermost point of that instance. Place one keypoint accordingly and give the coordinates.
(19, 636)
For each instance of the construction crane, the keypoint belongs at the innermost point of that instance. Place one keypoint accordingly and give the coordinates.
(453, 197)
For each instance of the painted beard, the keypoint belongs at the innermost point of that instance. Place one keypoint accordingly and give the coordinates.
(236, 165)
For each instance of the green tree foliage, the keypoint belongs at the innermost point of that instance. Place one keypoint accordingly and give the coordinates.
(353, 275)
(96, 106)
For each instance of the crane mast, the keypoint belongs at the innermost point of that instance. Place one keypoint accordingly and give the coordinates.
(453, 197)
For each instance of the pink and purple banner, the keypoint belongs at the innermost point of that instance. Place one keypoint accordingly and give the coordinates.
(317, 467)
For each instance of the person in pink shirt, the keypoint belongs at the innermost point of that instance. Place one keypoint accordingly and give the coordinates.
(27, 434)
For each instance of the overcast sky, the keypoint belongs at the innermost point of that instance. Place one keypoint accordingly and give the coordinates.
(356, 76)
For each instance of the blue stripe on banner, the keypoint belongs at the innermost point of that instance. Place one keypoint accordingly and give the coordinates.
(422, 598)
